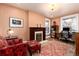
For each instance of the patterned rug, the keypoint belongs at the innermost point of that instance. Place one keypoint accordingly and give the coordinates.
(56, 48)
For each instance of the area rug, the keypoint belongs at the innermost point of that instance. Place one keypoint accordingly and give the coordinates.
(54, 48)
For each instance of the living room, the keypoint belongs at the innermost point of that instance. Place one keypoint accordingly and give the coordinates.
(23, 21)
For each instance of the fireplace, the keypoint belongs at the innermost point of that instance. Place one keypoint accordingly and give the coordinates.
(37, 33)
(39, 36)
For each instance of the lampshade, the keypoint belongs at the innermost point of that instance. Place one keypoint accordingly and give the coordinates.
(10, 32)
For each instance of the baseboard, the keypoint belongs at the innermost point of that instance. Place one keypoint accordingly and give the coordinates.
(47, 37)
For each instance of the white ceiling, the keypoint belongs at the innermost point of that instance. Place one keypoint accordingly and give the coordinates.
(43, 8)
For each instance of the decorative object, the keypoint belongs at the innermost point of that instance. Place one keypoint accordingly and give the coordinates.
(40, 25)
(16, 22)
(37, 25)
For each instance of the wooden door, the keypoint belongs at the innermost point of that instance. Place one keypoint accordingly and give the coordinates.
(77, 43)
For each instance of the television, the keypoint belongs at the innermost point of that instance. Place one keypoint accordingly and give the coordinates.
(66, 29)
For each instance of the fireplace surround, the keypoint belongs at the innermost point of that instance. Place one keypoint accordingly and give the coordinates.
(37, 33)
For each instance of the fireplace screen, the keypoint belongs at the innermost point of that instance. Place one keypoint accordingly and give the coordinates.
(39, 36)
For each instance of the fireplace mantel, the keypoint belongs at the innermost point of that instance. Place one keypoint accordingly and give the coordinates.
(35, 29)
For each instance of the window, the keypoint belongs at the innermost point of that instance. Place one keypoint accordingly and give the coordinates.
(47, 26)
(71, 22)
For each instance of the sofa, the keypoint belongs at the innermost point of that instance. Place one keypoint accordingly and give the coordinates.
(13, 47)
(18, 47)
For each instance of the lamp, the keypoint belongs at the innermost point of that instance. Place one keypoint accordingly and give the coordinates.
(10, 33)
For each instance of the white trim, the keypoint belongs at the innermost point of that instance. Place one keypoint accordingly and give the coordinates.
(47, 37)
(69, 16)
(43, 41)
(39, 32)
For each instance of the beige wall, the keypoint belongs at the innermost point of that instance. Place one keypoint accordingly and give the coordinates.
(35, 18)
(8, 11)
(31, 19)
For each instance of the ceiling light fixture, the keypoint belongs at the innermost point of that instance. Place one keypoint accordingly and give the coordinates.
(51, 6)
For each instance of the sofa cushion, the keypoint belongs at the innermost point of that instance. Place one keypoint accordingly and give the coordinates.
(16, 41)
(10, 42)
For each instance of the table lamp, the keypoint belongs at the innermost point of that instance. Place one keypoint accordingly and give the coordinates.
(10, 33)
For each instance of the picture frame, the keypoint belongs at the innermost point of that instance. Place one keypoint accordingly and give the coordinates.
(15, 22)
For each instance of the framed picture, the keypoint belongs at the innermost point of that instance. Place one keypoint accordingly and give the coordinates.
(16, 22)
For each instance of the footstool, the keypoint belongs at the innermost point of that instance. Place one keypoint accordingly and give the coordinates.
(33, 45)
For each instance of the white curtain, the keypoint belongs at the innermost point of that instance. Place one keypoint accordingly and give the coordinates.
(47, 26)
(71, 22)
